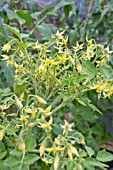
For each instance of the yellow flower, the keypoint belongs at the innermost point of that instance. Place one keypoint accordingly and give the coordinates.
(24, 118)
(109, 92)
(33, 115)
(107, 52)
(81, 139)
(42, 149)
(2, 132)
(89, 53)
(6, 47)
(67, 127)
(46, 125)
(11, 62)
(45, 111)
(18, 69)
(57, 68)
(50, 77)
(48, 62)
(58, 35)
(64, 58)
(5, 57)
(41, 100)
(59, 140)
(102, 62)
(47, 160)
(54, 149)
(89, 42)
(101, 87)
(41, 67)
(28, 110)
(37, 74)
(48, 109)
(21, 53)
(65, 40)
(78, 46)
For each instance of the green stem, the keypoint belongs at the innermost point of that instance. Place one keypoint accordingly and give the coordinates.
(56, 100)
(22, 160)
(38, 23)
(64, 104)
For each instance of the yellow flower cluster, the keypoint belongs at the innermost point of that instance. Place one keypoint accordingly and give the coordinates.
(103, 88)
(60, 40)
(6, 47)
(46, 125)
(24, 118)
(67, 127)
(30, 111)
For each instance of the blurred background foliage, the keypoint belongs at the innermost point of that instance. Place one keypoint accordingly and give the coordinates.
(40, 19)
(79, 18)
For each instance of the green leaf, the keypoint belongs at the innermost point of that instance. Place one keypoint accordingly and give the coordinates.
(3, 154)
(8, 72)
(104, 12)
(35, 15)
(23, 167)
(19, 89)
(88, 166)
(57, 130)
(2, 146)
(107, 72)
(22, 35)
(94, 162)
(2, 166)
(11, 161)
(6, 33)
(16, 152)
(46, 30)
(94, 108)
(82, 31)
(81, 102)
(67, 9)
(13, 30)
(82, 153)
(104, 156)
(89, 69)
(30, 159)
(20, 43)
(26, 15)
(61, 4)
(30, 143)
(13, 15)
(89, 151)
(70, 166)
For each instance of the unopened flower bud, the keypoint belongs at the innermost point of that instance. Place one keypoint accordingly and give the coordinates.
(42, 149)
(31, 125)
(21, 146)
(56, 163)
(41, 100)
(18, 102)
(2, 134)
(79, 67)
(71, 60)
